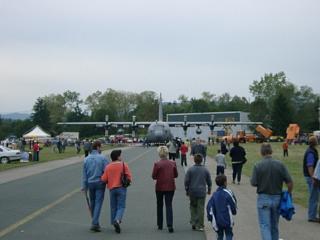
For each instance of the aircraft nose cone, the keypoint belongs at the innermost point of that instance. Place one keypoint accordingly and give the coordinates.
(158, 133)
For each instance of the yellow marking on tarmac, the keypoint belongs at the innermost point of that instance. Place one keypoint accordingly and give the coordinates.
(36, 213)
(40, 211)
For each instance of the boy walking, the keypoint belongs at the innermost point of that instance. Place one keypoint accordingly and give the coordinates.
(221, 162)
(196, 182)
(220, 209)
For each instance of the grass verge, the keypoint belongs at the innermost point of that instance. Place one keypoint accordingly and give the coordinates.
(47, 154)
(293, 162)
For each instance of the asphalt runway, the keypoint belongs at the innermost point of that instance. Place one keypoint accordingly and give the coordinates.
(49, 205)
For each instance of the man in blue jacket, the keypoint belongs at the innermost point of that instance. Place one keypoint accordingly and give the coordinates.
(310, 159)
(220, 209)
(93, 168)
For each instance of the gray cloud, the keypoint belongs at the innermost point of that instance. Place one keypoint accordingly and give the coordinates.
(176, 47)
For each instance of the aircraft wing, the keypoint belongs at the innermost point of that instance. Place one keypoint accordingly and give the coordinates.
(237, 123)
(195, 124)
(130, 124)
(83, 123)
(110, 124)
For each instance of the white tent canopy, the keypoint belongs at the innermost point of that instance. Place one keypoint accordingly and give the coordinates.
(37, 133)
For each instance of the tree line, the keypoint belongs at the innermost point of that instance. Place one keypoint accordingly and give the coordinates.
(277, 102)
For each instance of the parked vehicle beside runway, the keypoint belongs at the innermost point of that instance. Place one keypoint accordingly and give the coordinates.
(7, 154)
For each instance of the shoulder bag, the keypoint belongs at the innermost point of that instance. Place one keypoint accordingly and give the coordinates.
(125, 181)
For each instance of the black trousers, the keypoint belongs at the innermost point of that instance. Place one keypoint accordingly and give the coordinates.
(285, 153)
(183, 160)
(172, 156)
(86, 153)
(167, 196)
(236, 171)
(220, 170)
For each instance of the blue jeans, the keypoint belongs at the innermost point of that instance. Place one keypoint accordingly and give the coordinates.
(117, 203)
(227, 231)
(313, 199)
(268, 214)
(96, 194)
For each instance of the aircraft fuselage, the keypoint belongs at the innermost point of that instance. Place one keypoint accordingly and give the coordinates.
(159, 132)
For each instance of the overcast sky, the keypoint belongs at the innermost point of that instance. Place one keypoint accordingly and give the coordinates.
(170, 46)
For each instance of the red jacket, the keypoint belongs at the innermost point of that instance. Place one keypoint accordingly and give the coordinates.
(164, 172)
(36, 147)
(285, 146)
(184, 149)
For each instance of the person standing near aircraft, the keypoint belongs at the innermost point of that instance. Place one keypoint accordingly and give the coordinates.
(183, 150)
(164, 172)
(118, 193)
(93, 167)
(178, 146)
(198, 148)
(172, 147)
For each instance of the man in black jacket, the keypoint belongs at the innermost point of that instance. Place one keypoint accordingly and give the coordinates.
(237, 154)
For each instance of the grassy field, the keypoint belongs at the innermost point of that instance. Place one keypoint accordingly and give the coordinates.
(47, 154)
(293, 163)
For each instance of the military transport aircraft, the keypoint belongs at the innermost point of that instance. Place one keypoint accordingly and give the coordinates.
(158, 131)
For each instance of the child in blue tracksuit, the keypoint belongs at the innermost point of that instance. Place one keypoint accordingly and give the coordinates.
(220, 209)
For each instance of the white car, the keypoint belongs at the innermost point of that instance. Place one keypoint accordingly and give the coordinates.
(7, 154)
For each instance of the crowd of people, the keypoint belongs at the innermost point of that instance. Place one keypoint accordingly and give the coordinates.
(268, 177)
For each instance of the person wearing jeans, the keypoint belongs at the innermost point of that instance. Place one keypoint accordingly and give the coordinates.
(268, 176)
(310, 160)
(96, 195)
(117, 203)
(93, 167)
(112, 176)
(268, 214)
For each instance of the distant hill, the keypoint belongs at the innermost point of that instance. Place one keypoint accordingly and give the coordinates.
(15, 116)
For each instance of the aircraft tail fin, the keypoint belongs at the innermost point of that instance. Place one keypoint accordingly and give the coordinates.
(160, 109)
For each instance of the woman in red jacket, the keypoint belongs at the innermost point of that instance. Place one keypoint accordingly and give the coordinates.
(36, 150)
(164, 172)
